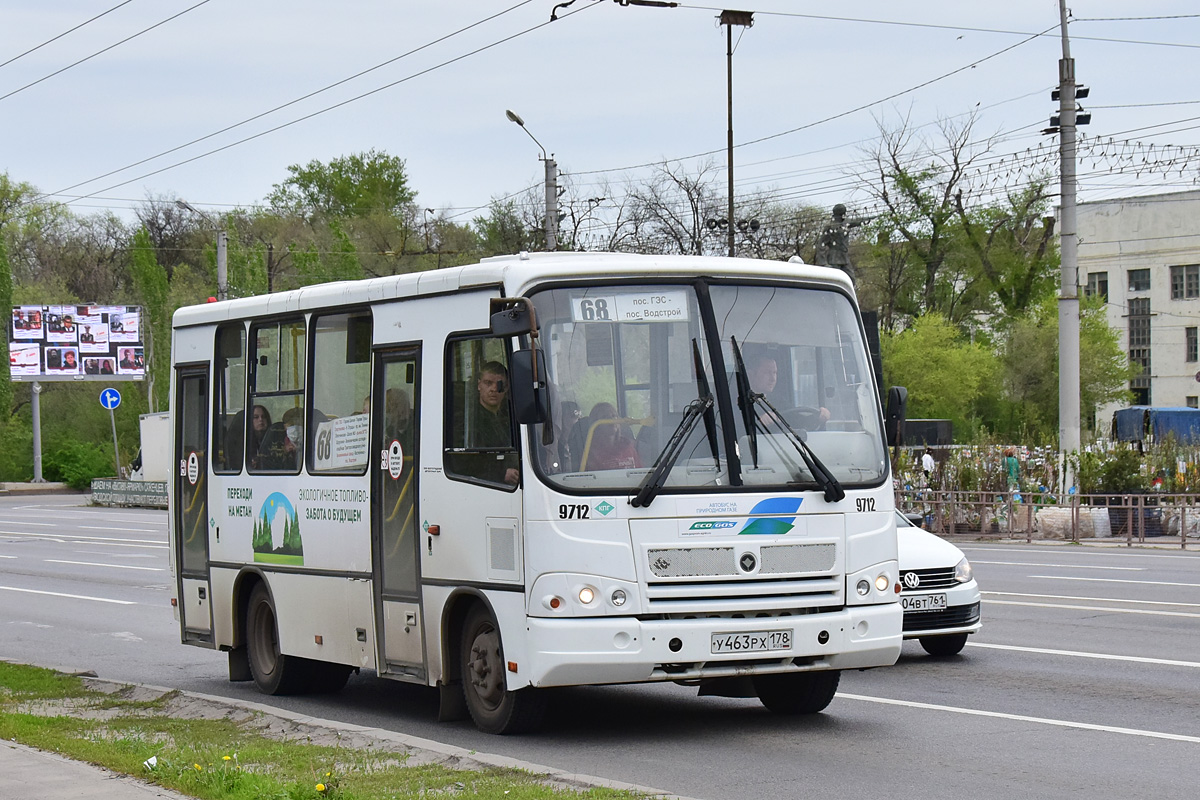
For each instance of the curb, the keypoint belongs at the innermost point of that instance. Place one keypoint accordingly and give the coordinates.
(420, 751)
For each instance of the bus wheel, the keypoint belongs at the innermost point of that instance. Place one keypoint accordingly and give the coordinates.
(494, 708)
(944, 645)
(797, 692)
(274, 672)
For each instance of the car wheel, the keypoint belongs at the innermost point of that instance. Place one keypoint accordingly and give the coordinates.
(274, 672)
(944, 645)
(494, 708)
(797, 692)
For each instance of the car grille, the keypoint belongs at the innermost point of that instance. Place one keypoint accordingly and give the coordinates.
(942, 578)
(953, 617)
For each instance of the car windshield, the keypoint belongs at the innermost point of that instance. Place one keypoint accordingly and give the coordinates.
(637, 400)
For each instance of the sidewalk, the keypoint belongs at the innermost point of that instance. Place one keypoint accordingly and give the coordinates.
(46, 487)
(37, 775)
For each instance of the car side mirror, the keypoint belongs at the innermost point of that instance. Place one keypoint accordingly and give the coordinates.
(894, 418)
(530, 397)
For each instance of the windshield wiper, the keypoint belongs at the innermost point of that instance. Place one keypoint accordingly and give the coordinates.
(749, 401)
(700, 408)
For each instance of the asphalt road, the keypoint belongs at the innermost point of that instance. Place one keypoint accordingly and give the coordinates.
(1083, 681)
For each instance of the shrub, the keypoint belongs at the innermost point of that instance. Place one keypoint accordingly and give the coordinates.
(77, 463)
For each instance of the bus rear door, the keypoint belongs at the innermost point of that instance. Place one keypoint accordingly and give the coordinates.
(191, 503)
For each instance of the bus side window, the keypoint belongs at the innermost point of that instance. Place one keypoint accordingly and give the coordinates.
(480, 445)
(229, 399)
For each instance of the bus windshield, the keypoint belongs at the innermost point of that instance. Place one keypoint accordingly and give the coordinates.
(636, 397)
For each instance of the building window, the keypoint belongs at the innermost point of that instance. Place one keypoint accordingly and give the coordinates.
(1139, 280)
(1139, 346)
(1098, 285)
(1193, 401)
(1185, 282)
(1191, 349)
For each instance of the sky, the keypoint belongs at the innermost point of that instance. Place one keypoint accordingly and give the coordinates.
(610, 90)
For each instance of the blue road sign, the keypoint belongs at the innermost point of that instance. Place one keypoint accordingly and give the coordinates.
(110, 399)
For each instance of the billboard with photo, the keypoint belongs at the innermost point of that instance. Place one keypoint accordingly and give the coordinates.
(76, 343)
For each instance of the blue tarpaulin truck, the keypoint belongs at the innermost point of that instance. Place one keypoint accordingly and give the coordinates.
(1141, 423)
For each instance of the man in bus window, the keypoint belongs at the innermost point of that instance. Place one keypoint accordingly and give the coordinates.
(489, 424)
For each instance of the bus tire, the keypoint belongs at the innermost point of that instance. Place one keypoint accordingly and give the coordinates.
(274, 672)
(797, 692)
(944, 645)
(492, 706)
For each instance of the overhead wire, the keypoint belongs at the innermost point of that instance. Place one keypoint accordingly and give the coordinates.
(307, 96)
(104, 50)
(64, 33)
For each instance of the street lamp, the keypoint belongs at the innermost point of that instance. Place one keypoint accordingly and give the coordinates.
(222, 254)
(551, 184)
(729, 19)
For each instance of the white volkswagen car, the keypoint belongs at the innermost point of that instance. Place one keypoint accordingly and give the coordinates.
(938, 591)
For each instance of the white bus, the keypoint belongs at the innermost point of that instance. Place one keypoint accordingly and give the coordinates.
(541, 470)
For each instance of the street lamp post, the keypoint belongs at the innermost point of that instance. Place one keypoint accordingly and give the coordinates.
(551, 185)
(729, 19)
(222, 250)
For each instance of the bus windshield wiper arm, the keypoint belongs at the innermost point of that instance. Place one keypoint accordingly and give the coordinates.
(833, 490)
(666, 460)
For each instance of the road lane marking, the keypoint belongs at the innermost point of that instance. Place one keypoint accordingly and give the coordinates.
(1060, 723)
(69, 596)
(1058, 566)
(115, 528)
(1165, 662)
(1097, 608)
(1073, 597)
(20, 522)
(60, 537)
(1111, 580)
(7, 556)
(94, 564)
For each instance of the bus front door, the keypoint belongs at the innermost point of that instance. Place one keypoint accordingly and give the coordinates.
(191, 503)
(394, 512)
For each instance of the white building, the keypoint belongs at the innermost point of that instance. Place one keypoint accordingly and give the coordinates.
(1143, 255)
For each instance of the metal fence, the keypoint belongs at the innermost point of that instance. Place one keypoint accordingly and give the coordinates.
(1141, 518)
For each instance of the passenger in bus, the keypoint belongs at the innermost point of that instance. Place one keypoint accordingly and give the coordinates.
(293, 441)
(490, 424)
(260, 423)
(611, 445)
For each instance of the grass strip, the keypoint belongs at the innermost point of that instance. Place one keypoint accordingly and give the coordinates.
(233, 758)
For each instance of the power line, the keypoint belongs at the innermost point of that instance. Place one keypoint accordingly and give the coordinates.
(105, 50)
(64, 33)
(293, 102)
(327, 109)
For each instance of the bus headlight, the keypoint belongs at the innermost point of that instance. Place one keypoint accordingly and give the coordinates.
(863, 588)
(618, 597)
(883, 583)
(586, 595)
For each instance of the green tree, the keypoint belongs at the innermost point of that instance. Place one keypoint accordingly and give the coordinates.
(502, 231)
(150, 284)
(947, 376)
(349, 186)
(1030, 361)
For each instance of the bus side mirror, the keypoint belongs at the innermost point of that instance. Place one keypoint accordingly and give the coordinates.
(897, 413)
(530, 400)
(511, 316)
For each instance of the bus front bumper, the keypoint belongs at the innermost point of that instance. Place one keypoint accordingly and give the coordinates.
(569, 652)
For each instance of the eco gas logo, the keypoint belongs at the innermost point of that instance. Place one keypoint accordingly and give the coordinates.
(713, 525)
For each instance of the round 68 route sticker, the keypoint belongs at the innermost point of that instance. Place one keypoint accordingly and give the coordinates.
(193, 468)
(395, 459)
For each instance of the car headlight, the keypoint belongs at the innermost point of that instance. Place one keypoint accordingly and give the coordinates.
(962, 571)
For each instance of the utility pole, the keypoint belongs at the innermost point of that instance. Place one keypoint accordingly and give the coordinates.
(551, 223)
(222, 250)
(729, 19)
(1068, 302)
